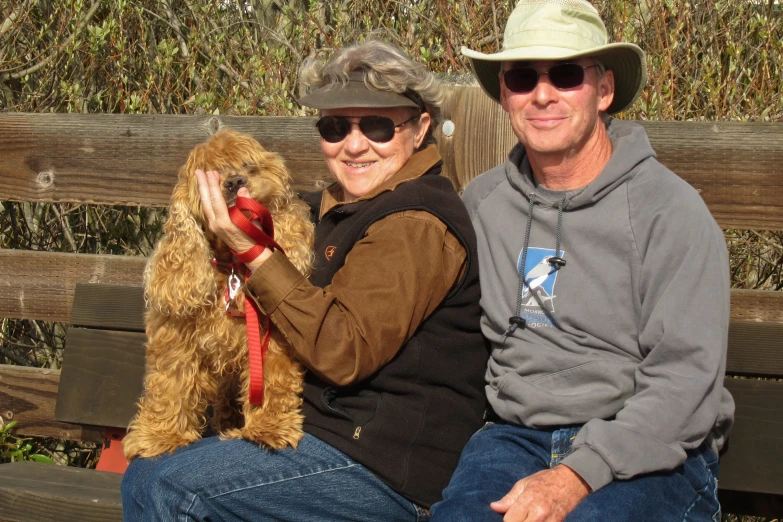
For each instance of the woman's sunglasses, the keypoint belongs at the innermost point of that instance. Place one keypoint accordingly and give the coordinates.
(562, 76)
(379, 129)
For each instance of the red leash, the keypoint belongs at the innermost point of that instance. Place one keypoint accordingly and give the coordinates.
(264, 237)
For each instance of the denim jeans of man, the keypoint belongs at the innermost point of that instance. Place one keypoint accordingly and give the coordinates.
(499, 455)
(232, 480)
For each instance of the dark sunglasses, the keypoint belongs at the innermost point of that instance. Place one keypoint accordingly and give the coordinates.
(562, 76)
(379, 129)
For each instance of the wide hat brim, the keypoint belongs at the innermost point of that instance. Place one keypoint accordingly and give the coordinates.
(354, 93)
(625, 60)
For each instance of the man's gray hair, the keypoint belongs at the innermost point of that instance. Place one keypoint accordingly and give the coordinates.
(386, 68)
(600, 68)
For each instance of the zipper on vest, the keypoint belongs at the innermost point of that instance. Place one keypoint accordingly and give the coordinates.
(357, 429)
(357, 432)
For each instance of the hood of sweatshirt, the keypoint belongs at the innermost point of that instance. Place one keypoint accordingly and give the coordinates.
(630, 147)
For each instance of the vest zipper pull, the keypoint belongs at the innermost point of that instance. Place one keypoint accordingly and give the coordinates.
(357, 433)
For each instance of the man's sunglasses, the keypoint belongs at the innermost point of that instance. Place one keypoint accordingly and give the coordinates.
(379, 129)
(562, 76)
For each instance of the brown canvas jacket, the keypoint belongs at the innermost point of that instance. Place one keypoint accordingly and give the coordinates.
(348, 330)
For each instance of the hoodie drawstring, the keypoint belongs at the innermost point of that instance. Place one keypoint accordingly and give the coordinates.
(557, 262)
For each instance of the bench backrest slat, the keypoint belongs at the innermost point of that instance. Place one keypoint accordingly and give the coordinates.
(755, 349)
(116, 307)
(755, 451)
(102, 377)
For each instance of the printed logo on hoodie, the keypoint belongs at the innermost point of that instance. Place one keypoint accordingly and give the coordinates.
(538, 296)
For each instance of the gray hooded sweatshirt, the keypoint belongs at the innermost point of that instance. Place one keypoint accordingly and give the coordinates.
(629, 337)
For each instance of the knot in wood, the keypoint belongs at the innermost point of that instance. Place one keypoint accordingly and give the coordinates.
(8, 415)
(214, 125)
(46, 178)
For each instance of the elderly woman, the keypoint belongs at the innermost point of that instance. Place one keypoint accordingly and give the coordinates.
(387, 325)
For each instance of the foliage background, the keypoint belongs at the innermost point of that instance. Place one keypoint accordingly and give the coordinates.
(708, 60)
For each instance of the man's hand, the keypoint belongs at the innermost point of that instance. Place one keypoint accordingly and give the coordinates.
(546, 496)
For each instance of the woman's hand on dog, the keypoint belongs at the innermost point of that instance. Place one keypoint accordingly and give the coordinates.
(216, 212)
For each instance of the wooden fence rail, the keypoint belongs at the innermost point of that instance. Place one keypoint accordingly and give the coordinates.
(133, 159)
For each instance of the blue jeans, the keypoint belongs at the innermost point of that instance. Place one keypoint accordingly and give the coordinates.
(499, 455)
(214, 480)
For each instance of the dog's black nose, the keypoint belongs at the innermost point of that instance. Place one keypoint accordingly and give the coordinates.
(234, 183)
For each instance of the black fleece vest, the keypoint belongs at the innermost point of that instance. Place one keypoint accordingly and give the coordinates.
(410, 420)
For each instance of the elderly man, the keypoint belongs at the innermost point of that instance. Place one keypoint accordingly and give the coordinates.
(605, 297)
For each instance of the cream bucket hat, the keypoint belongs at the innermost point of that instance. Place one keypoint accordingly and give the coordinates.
(562, 30)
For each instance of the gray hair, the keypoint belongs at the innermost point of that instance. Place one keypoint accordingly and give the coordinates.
(386, 67)
(600, 68)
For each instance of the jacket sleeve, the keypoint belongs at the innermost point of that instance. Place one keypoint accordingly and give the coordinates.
(392, 280)
(683, 288)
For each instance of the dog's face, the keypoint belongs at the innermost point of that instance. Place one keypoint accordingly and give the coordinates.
(249, 176)
(180, 279)
(241, 162)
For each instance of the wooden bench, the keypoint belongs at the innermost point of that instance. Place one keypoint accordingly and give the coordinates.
(133, 160)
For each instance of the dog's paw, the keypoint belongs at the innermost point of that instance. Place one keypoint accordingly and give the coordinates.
(277, 439)
(136, 445)
(234, 433)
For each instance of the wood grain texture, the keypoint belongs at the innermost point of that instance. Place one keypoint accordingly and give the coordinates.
(755, 450)
(28, 395)
(115, 307)
(755, 349)
(40, 285)
(760, 306)
(49, 294)
(34, 492)
(132, 159)
(102, 377)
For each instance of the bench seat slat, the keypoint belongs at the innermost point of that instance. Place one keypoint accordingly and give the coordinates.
(35, 492)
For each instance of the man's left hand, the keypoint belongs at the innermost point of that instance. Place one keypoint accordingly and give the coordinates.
(546, 496)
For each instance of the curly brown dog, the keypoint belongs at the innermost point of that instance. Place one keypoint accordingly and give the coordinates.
(197, 355)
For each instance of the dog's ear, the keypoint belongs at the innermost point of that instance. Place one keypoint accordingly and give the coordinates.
(294, 231)
(179, 279)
